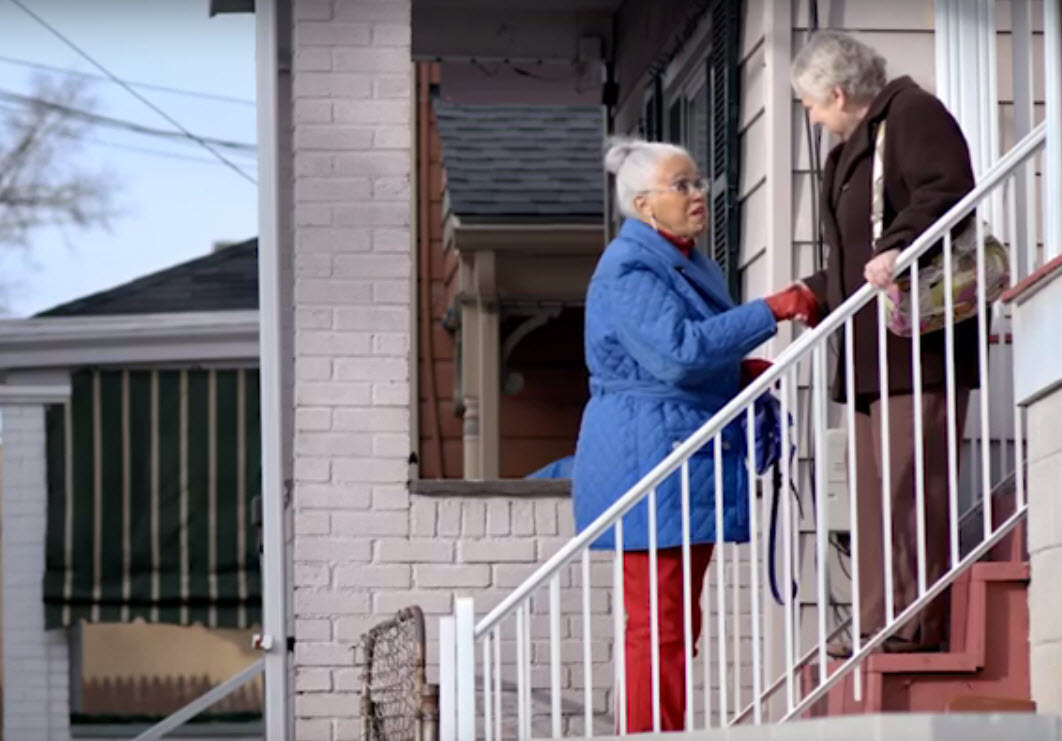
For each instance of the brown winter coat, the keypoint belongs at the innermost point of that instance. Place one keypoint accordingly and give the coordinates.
(927, 171)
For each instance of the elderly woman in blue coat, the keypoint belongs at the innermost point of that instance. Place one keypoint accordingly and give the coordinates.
(664, 346)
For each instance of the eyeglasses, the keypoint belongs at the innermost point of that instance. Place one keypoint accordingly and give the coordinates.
(684, 186)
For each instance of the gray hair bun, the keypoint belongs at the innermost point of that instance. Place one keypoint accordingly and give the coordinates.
(618, 149)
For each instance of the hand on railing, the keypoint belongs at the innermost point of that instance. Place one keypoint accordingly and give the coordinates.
(880, 272)
(795, 302)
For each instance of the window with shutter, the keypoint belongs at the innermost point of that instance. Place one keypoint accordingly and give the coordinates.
(723, 84)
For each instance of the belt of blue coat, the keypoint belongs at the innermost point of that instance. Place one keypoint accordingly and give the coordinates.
(732, 435)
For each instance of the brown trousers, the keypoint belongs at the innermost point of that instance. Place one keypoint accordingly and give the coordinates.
(931, 626)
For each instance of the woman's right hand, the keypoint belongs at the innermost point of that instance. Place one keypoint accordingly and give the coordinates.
(795, 302)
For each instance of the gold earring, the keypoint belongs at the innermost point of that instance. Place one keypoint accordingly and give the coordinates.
(652, 220)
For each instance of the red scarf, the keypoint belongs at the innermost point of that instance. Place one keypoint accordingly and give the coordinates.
(682, 244)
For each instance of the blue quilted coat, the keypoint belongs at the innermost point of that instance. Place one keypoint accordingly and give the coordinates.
(664, 343)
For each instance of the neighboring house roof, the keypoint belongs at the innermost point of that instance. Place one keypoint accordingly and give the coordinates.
(514, 162)
(224, 280)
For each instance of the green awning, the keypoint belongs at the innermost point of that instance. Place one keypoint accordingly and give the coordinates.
(151, 474)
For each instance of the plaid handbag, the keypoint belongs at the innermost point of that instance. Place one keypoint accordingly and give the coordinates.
(930, 314)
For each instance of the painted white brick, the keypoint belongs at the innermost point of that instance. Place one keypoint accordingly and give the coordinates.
(473, 519)
(397, 187)
(309, 523)
(329, 240)
(332, 443)
(334, 496)
(391, 34)
(313, 418)
(372, 112)
(347, 680)
(379, 213)
(313, 369)
(373, 470)
(372, 60)
(493, 550)
(313, 60)
(390, 497)
(546, 517)
(498, 517)
(309, 214)
(368, 369)
(423, 515)
(328, 86)
(329, 602)
(313, 680)
(370, 419)
(369, 265)
(392, 138)
(333, 344)
(313, 729)
(391, 394)
(312, 574)
(332, 138)
(337, 189)
(336, 393)
(432, 602)
(369, 524)
(313, 111)
(332, 33)
(332, 291)
(451, 575)
(312, 164)
(313, 630)
(390, 292)
(310, 317)
(449, 514)
(324, 653)
(351, 628)
(380, 11)
(332, 548)
(378, 318)
(414, 550)
(393, 576)
(309, 265)
(313, 10)
(523, 517)
(392, 86)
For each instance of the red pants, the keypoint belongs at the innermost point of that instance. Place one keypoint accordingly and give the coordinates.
(639, 641)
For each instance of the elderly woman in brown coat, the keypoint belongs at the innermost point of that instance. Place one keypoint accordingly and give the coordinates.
(842, 83)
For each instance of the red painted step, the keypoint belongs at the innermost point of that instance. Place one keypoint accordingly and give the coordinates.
(989, 655)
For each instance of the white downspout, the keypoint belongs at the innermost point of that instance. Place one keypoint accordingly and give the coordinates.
(1053, 154)
(277, 717)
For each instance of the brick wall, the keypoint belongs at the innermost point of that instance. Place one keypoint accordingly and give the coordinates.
(364, 547)
(1045, 551)
(36, 661)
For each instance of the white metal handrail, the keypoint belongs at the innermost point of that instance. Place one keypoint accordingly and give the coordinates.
(463, 633)
(803, 345)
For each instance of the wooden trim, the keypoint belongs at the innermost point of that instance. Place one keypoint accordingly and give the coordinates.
(1033, 283)
(491, 488)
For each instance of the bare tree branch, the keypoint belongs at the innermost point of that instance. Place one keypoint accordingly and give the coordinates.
(40, 185)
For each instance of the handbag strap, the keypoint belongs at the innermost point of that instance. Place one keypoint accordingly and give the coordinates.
(877, 190)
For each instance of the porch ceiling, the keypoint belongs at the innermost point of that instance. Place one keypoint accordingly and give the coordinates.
(515, 30)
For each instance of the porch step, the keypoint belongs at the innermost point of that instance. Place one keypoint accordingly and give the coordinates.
(989, 600)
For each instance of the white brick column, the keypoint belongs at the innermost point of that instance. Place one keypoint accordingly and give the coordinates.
(36, 661)
(352, 136)
(1045, 551)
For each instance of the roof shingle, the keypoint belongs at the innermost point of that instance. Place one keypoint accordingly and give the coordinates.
(522, 161)
(225, 280)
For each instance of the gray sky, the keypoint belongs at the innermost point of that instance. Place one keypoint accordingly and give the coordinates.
(171, 209)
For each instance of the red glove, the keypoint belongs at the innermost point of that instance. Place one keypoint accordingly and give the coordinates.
(751, 368)
(795, 302)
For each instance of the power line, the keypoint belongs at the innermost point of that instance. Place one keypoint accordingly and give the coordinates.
(120, 123)
(155, 152)
(114, 78)
(144, 85)
(130, 147)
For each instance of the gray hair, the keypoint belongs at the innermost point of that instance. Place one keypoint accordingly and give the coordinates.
(634, 163)
(834, 59)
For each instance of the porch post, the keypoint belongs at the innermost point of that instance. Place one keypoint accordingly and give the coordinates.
(36, 661)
